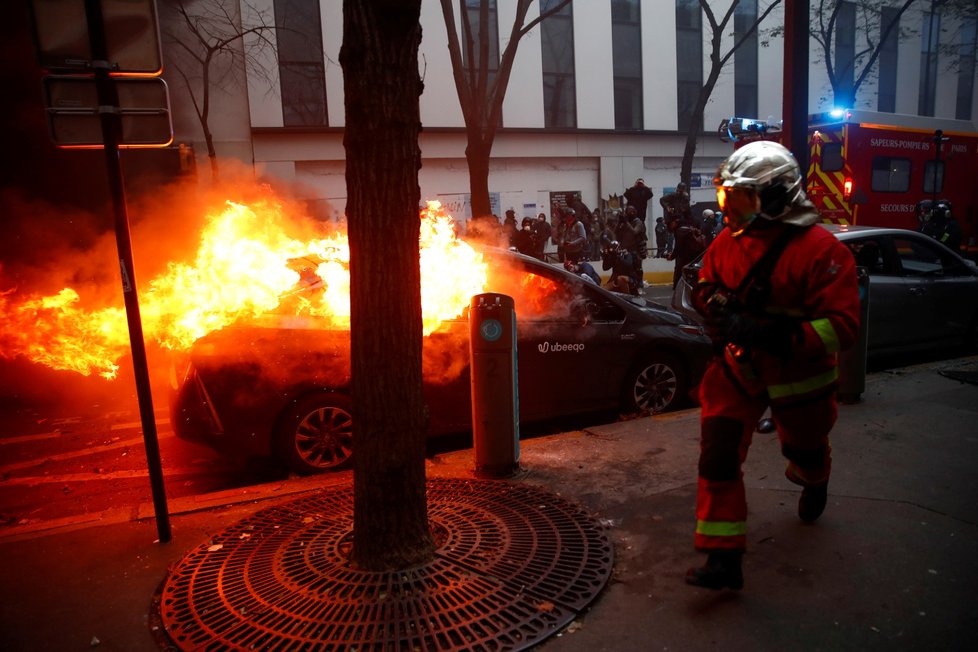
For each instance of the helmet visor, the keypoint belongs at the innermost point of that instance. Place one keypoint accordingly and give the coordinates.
(737, 203)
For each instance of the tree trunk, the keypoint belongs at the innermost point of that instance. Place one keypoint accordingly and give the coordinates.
(211, 153)
(477, 157)
(696, 123)
(379, 57)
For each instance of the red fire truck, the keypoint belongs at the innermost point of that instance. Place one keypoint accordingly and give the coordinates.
(872, 168)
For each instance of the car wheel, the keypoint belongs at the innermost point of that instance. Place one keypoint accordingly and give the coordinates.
(316, 434)
(657, 384)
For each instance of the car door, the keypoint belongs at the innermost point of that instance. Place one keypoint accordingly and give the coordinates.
(559, 343)
(937, 285)
(888, 292)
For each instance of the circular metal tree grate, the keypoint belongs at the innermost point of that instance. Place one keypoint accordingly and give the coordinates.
(514, 564)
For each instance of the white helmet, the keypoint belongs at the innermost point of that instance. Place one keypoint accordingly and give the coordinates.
(769, 169)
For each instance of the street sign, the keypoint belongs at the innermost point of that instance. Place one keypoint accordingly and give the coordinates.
(132, 41)
(73, 111)
(112, 99)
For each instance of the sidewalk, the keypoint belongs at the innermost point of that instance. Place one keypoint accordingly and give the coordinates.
(891, 565)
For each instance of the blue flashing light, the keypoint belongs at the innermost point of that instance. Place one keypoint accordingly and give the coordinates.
(837, 113)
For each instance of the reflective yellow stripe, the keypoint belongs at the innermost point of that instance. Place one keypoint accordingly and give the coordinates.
(803, 386)
(721, 528)
(825, 331)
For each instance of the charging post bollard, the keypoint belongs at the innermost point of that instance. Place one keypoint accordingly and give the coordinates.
(852, 361)
(495, 399)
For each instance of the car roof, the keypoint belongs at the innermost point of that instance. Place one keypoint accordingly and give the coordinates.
(841, 230)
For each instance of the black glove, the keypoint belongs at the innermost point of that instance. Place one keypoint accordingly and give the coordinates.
(776, 336)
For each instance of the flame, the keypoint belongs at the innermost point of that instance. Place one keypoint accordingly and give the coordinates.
(248, 265)
(53, 331)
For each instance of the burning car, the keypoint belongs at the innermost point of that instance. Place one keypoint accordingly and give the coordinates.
(280, 386)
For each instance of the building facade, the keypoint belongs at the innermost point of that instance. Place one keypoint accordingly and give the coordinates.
(600, 94)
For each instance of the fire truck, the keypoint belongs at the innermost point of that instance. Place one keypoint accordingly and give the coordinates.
(872, 168)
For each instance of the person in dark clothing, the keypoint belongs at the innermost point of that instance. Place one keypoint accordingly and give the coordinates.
(943, 227)
(575, 237)
(632, 236)
(709, 225)
(525, 239)
(625, 268)
(639, 196)
(675, 204)
(689, 243)
(510, 228)
(661, 238)
(630, 231)
(584, 269)
(610, 231)
(542, 233)
(583, 212)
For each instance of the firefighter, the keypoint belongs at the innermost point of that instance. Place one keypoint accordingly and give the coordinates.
(945, 228)
(925, 209)
(778, 321)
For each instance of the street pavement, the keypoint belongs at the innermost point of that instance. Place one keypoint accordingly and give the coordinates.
(891, 565)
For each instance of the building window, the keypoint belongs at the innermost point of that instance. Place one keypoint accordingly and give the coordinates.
(745, 60)
(557, 41)
(845, 50)
(626, 49)
(886, 90)
(472, 32)
(966, 69)
(689, 59)
(300, 62)
(929, 38)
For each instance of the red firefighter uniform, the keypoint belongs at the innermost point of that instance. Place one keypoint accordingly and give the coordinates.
(814, 284)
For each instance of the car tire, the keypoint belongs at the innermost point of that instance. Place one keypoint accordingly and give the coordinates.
(315, 434)
(659, 383)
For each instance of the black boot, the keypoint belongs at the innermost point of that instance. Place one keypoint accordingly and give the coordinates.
(812, 502)
(722, 569)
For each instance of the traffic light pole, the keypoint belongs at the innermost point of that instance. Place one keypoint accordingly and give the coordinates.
(111, 121)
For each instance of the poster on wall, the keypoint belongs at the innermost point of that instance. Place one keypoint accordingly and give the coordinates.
(559, 199)
(459, 206)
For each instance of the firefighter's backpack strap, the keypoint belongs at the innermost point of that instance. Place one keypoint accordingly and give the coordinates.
(756, 285)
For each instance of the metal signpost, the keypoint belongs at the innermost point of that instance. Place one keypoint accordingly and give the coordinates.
(97, 43)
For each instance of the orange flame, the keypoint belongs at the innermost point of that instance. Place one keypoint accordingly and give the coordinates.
(246, 266)
(52, 331)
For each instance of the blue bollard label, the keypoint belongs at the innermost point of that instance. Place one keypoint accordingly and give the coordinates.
(491, 330)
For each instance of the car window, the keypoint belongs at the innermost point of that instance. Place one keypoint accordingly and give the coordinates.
(868, 253)
(832, 160)
(600, 307)
(538, 296)
(890, 174)
(919, 257)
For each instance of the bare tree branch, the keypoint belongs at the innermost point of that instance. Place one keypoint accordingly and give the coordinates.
(717, 62)
(208, 43)
(480, 93)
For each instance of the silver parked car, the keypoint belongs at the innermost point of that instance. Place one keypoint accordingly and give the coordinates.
(922, 295)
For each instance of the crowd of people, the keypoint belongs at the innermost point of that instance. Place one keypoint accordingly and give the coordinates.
(616, 237)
